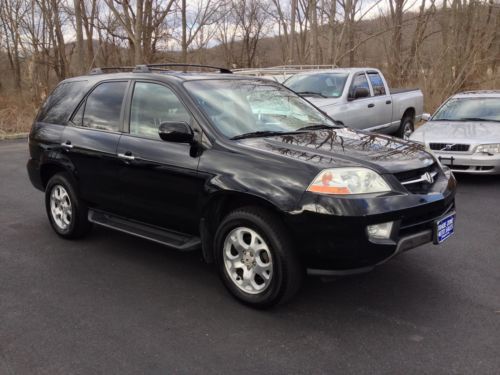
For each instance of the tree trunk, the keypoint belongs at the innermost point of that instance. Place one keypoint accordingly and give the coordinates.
(80, 63)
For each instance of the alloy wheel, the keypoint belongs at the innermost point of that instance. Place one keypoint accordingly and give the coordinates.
(60, 207)
(248, 260)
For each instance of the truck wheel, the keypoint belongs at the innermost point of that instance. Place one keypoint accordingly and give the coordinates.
(406, 128)
(255, 259)
(67, 213)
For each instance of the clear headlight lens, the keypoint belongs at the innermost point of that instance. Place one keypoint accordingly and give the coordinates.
(345, 181)
(493, 148)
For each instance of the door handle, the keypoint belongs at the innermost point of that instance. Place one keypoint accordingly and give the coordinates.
(67, 145)
(126, 156)
(371, 105)
(388, 102)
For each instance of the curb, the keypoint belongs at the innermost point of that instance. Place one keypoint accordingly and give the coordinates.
(5, 137)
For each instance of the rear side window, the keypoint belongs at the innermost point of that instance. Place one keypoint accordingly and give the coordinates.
(61, 103)
(102, 109)
(377, 83)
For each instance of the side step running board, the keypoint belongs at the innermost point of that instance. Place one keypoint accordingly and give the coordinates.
(177, 240)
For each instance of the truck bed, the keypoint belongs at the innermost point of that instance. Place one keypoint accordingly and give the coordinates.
(400, 91)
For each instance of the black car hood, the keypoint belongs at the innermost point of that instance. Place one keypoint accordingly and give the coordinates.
(345, 147)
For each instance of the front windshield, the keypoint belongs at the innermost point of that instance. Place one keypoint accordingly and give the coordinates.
(469, 109)
(239, 106)
(328, 85)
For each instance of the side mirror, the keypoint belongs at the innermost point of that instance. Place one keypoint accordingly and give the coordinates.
(179, 132)
(360, 92)
(426, 116)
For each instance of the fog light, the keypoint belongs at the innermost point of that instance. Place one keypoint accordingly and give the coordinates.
(380, 231)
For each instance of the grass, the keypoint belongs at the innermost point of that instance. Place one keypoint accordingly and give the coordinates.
(16, 114)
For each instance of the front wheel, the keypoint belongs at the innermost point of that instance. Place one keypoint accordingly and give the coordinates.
(67, 213)
(255, 258)
(406, 128)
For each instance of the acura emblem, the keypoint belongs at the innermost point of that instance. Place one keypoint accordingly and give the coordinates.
(427, 177)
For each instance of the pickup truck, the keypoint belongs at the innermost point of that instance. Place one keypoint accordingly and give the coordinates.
(360, 98)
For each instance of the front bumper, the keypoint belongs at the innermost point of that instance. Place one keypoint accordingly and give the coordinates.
(337, 242)
(479, 163)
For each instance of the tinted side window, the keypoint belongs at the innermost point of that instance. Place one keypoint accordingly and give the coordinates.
(377, 84)
(103, 107)
(61, 103)
(359, 81)
(151, 105)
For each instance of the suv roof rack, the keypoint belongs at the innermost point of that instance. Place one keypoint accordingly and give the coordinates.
(148, 68)
(103, 69)
(220, 69)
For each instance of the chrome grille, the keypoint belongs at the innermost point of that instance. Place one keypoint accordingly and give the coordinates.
(449, 147)
(415, 181)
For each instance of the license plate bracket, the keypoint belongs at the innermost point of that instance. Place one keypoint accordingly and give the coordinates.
(444, 228)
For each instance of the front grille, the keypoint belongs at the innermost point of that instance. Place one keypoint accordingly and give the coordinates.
(449, 147)
(421, 187)
(423, 221)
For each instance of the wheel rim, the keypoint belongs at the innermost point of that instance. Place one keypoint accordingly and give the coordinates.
(408, 129)
(248, 260)
(60, 207)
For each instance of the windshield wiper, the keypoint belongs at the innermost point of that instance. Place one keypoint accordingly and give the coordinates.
(311, 93)
(477, 119)
(317, 127)
(261, 133)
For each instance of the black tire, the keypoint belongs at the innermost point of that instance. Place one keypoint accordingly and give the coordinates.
(406, 127)
(78, 224)
(287, 272)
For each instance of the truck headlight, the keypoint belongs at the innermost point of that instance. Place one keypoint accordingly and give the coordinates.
(344, 181)
(492, 148)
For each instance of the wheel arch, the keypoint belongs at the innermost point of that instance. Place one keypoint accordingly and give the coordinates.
(48, 170)
(409, 112)
(218, 206)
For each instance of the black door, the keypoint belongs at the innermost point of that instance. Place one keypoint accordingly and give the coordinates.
(91, 141)
(159, 180)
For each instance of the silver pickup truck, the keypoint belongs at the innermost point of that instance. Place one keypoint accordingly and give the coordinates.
(360, 98)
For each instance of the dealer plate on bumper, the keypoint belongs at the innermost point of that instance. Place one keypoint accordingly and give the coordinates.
(444, 228)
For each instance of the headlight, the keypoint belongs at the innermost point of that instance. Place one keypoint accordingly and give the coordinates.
(345, 181)
(493, 148)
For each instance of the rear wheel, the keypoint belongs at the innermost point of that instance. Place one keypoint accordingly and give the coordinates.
(406, 128)
(67, 213)
(255, 258)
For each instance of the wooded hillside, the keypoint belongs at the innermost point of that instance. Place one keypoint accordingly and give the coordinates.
(441, 46)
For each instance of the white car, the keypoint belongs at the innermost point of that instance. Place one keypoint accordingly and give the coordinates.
(464, 133)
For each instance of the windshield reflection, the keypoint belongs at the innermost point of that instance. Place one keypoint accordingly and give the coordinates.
(240, 106)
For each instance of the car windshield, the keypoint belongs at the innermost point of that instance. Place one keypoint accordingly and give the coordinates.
(237, 107)
(469, 109)
(328, 85)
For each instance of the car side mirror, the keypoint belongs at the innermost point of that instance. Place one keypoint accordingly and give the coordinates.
(174, 131)
(360, 92)
(426, 116)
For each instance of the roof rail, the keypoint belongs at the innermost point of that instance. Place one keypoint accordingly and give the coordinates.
(221, 70)
(282, 69)
(147, 68)
(102, 70)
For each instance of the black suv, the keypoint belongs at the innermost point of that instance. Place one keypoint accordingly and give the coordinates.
(262, 181)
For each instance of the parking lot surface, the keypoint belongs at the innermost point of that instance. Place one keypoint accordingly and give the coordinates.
(115, 304)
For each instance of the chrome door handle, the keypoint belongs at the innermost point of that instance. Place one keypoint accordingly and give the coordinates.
(126, 156)
(67, 145)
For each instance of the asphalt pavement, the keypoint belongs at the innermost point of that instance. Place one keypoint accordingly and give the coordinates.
(115, 304)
